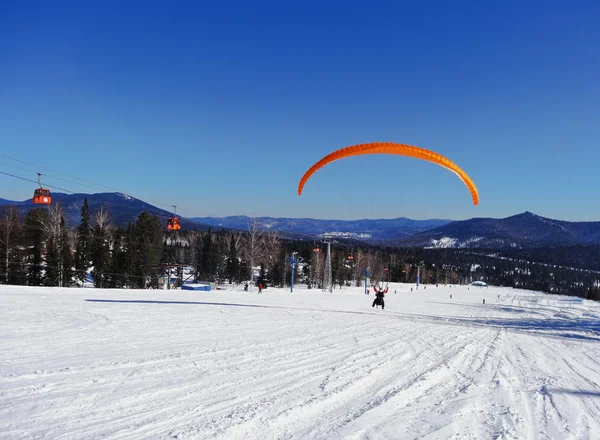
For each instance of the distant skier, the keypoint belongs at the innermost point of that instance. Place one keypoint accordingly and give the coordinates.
(260, 287)
(379, 293)
(246, 287)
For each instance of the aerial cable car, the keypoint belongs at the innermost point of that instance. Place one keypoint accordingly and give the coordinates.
(41, 196)
(173, 222)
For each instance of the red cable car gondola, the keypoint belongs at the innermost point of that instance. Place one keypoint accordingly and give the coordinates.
(41, 196)
(173, 222)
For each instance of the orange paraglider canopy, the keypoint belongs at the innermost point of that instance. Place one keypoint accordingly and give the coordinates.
(392, 148)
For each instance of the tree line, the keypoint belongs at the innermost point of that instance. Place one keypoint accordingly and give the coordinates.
(39, 249)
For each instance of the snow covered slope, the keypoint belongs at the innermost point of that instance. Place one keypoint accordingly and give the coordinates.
(129, 364)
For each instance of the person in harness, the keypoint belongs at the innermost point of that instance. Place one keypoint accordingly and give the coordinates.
(379, 293)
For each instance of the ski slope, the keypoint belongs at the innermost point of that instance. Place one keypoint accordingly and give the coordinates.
(132, 364)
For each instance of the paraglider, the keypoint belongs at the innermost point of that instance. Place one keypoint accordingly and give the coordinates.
(393, 148)
(379, 294)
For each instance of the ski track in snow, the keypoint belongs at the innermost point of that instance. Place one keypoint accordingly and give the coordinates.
(127, 364)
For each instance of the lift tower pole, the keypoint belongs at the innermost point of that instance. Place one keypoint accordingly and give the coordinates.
(293, 261)
(328, 279)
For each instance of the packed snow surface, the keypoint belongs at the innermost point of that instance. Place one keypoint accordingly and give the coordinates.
(226, 364)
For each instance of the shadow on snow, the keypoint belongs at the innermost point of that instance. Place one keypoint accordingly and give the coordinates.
(572, 392)
(147, 301)
(203, 303)
(574, 328)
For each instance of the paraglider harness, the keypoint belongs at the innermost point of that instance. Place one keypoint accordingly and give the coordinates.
(379, 294)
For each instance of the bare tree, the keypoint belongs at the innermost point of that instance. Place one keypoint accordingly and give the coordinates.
(271, 246)
(361, 265)
(254, 244)
(316, 269)
(376, 267)
(51, 223)
(103, 227)
(8, 227)
(102, 220)
(238, 237)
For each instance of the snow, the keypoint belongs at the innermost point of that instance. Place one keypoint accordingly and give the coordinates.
(449, 242)
(125, 196)
(444, 242)
(91, 363)
(338, 234)
(470, 241)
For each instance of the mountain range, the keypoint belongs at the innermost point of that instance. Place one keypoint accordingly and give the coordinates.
(364, 230)
(526, 230)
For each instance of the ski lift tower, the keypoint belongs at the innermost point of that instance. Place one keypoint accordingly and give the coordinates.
(367, 274)
(328, 279)
(293, 261)
(419, 273)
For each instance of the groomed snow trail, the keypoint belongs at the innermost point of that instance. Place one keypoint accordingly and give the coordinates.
(128, 364)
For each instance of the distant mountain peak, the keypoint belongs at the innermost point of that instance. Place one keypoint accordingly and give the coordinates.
(522, 230)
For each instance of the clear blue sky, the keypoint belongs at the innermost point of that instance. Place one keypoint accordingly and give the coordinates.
(220, 107)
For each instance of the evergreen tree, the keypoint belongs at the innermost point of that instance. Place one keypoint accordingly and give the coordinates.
(149, 244)
(131, 257)
(100, 250)
(277, 271)
(34, 240)
(10, 231)
(84, 239)
(262, 275)
(17, 264)
(207, 265)
(220, 250)
(276, 274)
(117, 261)
(66, 256)
(233, 262)
(100, 254)
(53, 272)
(243, 273)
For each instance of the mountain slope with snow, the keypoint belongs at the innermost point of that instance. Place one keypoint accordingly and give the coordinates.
(89, 363)
(522, 230)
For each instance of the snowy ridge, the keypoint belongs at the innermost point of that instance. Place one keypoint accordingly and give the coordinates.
(444, 242)
(356, 235)
(449, 242)
(550, 222)
(311, 365)
(125, 196)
